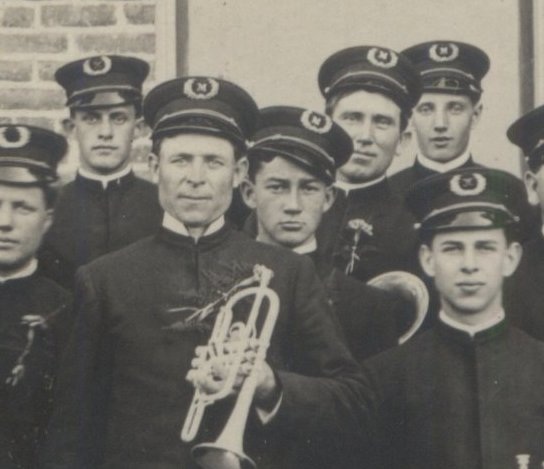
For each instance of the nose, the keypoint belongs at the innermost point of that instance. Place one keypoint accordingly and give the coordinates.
(441, 120)
(196, 173)
(292, 203)
(6, 218)
(470, 264)
(106, 129)
(363, 134)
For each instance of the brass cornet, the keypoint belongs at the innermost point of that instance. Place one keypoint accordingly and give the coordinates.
(227, 451)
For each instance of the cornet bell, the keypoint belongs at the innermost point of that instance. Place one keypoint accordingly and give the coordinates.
(213, 456)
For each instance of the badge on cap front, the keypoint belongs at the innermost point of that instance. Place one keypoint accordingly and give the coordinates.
(201, 88)
(382, 57)
(316, 122)
(97, 65)
(14, 137)
(443, 52)
(467, 184)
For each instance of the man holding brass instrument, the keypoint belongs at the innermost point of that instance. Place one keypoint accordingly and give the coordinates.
(143, 311)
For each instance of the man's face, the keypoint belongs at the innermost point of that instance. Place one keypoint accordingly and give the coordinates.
(534, 182)
(373, 122)
(105, 137)
(289, 202)
(469, 267)
(443, 123)
(24, 219)
(196, 174)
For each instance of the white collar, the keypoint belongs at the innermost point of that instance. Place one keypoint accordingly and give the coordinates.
(26, 271)
(307, 247)
(106, 178)
(173, 224)
(472, 330)
(348, 186)
(457, 162)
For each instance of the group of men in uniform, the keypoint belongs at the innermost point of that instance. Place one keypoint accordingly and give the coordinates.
(160, 267)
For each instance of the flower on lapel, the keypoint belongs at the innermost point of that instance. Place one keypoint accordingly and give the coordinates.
(358, 226)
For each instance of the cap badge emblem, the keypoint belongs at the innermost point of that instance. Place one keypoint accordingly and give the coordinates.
(201, 88)
(97, 65)
(316, 122)
(443, 52)
(467, 184)
(14, 137)
(383, 58)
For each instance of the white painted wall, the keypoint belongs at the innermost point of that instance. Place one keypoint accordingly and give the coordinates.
(274, 48)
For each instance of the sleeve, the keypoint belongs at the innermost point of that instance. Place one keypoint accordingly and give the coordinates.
(79, 415)
(325, 397)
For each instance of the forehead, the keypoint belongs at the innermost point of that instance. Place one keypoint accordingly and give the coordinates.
(444, 98)
(196, 144)
(31, 194)
(366, 102)
(281, 168)
(470, 236)
(128, 109)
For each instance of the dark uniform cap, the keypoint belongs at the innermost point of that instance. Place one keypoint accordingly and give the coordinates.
(371, 68)
(467, 199)
(450, 67)
(97, 81)
(29, 155)
(307, 138)
(201, 105)
(528, 134)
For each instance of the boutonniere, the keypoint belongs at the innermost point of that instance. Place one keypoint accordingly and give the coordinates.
(358, 226)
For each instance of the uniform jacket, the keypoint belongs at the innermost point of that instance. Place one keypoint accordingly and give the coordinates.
(387, 241)
(131, 351)
(91, 221)
(35, 317)
(447, 400)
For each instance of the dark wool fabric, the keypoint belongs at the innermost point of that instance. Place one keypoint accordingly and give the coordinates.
(90, 221)
(25, 406)
(123, 396)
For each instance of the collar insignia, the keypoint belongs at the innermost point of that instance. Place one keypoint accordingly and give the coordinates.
(201, 88)
(97, 65)
(467, 184)
(382, 58)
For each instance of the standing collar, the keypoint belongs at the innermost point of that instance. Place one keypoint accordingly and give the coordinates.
(26, 271)
(307, 247)
(174, 225)
(347, 186)
(443, 167)
(105, 180)
(475, 329)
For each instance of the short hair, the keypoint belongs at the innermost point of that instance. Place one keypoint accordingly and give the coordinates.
(156, 142)
(256, 161)
(130, 97)
(333, 99)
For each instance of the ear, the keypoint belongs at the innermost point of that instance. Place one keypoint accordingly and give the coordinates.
(247, 189)
(67, 126)
(476, 114)
(404, 142)
(330, 196)
(514, 252)
(153, 165)
(141, 129)
(531, 185)
(240, 171)
(48, 220)
(426, 259)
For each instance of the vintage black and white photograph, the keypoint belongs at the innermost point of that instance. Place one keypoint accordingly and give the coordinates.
(271, 234)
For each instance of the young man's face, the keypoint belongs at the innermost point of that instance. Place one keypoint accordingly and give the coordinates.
(534, 182)
(196, 174)
(443, 123)
(373, 122)
(289, 202)
(24, 219)
(469, 267)
(105, 137)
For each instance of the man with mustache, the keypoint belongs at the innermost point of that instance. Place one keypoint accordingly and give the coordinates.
(468, 392)
(106, 207)
(143, 310)
(369, 92)
(35, 312)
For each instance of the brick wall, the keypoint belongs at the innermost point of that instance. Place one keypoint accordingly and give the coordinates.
(37, 36)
